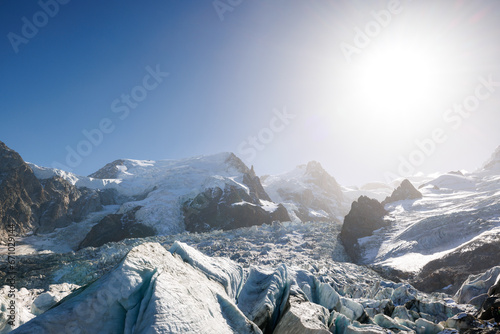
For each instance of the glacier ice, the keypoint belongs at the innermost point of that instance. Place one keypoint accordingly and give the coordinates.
(148, 287)
(427, 327)
(220, 269)
(274, 282)
(263, 296)
(477, 284)
(303, 317)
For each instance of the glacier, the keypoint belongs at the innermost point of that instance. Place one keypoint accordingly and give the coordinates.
(277, 277)
(182, 290)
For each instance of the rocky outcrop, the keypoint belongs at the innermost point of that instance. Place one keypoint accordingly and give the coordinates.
(116, 227)
(405, 191)
(232, 207)
(250, 179)
(66, 204)
(21, 194)
(366, 216)
(109, 171)
(28, 204)
(228, 209)
(453, 269)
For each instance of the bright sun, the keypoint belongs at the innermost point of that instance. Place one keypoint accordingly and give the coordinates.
(395, 85)
(389, 78)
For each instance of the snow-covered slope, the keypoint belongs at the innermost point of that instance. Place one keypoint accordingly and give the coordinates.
(454, 210)
(164, 193)
(447, 234)
(308, 192)
(138, 177)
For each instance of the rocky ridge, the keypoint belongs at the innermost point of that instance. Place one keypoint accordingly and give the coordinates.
(308, 192)
(29, 205)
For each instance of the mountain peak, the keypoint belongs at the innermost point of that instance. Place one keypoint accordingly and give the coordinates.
(314, 168)
(321, 177)
(109, 171)
(494, 161)
(404, 192)
(9, 159)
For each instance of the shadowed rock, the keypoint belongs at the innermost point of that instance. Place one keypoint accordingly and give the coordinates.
(28, 204)
(453, 269)
(366, 216)
(404, 192)
(116, 227)
(228, 209)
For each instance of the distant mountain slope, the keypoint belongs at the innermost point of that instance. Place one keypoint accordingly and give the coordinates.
(454, 223)
(493, 164)
(309, 193)
(28, 204)
(197, 194)
(160, 197)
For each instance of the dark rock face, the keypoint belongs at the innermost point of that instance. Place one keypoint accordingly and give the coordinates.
(32, 205)
(66, 204)
(227, 209)
(109, 171)
(405, 191)
(250, 179)
(490, 309)
(231, 207)
(21, 194)
(494, 290)
(116, 227)
(366, 216)
(453, 269)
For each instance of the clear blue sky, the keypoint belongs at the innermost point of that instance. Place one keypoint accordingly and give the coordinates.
(232, 70)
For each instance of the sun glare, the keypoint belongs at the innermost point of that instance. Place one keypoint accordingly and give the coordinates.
(393, 85)
(391, 77)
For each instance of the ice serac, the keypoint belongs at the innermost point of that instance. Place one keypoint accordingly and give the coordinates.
(220, 269)
(482, 291)
(264, 295)
(308, 192)
(303, 317)
(318, 292)
(150, 291)
(478, 285)
(366, 216)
